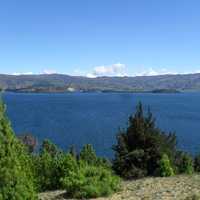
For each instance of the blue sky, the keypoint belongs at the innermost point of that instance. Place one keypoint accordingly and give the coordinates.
(100, 37)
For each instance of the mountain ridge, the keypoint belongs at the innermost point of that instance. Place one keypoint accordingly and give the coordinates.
(66, 83)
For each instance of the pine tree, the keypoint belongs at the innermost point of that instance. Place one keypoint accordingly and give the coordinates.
(140, 147)
(88, 154)
(16, 180)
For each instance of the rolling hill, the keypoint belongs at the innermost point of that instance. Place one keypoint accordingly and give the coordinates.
(64, 83)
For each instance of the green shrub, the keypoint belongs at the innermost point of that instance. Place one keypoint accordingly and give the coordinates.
(48, 167)
(49, 147)
(165, 168)
(83, 177)
(184, 163)
(16, 177)
(83, 180)
(197, 163)
(29, 141)
(88, 154)
(140, 147)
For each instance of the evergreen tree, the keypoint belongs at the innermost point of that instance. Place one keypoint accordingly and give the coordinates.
(88, 154)
(139, 148)
(16, 180)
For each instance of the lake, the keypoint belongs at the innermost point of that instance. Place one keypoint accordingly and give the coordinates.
(80, 118)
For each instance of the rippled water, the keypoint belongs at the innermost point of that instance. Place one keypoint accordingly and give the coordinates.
(79, 118)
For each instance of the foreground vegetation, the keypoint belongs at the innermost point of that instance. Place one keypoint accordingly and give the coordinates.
(24, 173)
(82, 175)
(181, 187)
(141, 150)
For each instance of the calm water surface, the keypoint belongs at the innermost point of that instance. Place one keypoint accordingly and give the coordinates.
(80, 118)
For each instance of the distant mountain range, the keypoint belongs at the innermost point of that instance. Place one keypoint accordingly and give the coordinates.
(66, 83)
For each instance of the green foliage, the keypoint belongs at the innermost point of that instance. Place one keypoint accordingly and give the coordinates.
(16, 178)
(49, 147)
(72, 151)
(88, 154)
(83, 180)
(139, 148)
(184, 163)
(165, 168)
(88, 176)
(106, 163)
(29, 141)
(48, 167)
(197, 163)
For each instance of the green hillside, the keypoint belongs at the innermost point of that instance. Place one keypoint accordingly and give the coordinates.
(64, 83)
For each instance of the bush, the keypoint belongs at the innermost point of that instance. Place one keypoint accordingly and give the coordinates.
(16, 178)
(197, 163)
(49, 147)
(48, 167)
(82, 176)
(184, 163)
(88, 154)
(140, 147)
(29, 141)
(165, 168)
(83, 180)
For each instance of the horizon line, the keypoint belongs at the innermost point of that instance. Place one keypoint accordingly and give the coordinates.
(125, 76)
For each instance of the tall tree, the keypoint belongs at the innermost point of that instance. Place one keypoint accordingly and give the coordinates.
(16, 180)
(140, 147)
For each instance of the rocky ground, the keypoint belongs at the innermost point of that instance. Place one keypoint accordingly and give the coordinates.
(178, 187)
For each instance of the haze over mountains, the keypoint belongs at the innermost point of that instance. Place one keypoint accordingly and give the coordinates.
(64, 83)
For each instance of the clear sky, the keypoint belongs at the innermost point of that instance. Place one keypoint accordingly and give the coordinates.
(99, 37)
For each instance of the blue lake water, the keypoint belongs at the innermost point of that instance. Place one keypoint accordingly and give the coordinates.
(80, 118)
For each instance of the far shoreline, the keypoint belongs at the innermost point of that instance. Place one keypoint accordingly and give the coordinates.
(156, 91)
